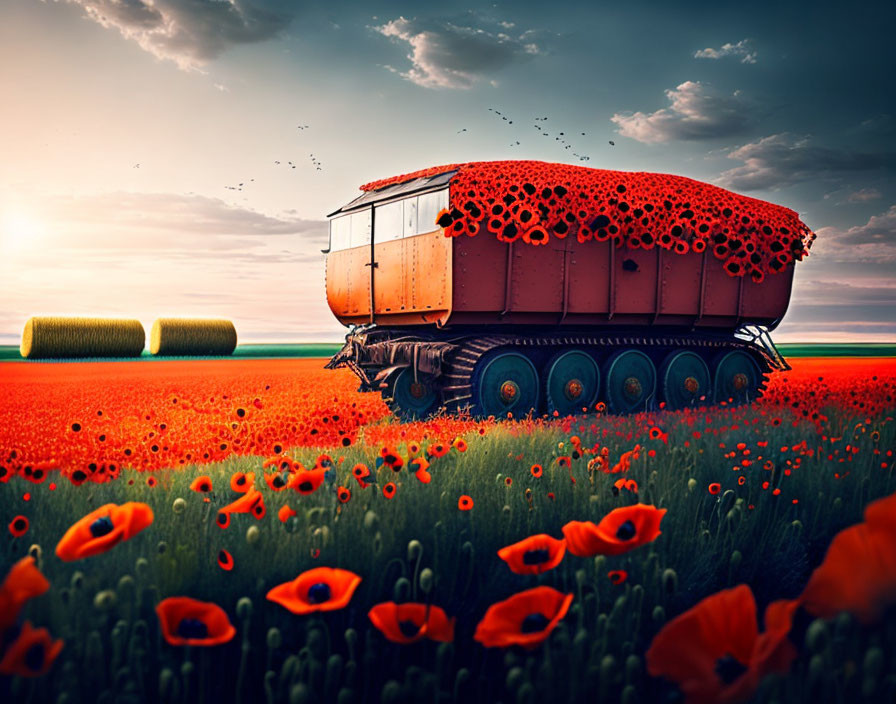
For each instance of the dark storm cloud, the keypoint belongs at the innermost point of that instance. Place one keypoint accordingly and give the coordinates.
(189, 32)
(742, 50)
(696, 112)
(785, 159)
(445, 54)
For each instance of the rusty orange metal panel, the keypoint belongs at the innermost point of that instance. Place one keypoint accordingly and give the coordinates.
(635, 280)
(589, 270)
(348, 284)
(680, 284)
(431, 277)
(537, 279)
(479, 276)
(389, 278)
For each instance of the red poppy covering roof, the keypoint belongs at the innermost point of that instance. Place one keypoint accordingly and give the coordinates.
(535, 201)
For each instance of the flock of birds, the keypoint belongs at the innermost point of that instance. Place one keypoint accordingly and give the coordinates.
(559, 137)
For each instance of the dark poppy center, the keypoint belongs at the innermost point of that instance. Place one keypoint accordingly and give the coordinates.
(534, 623)
(306, 486)
(729, 669)
(278, 482)
(319, 593)
(34, 657)
(192, 628)
(626, 531)
(101, 526)
(408, 629)
(536, 557)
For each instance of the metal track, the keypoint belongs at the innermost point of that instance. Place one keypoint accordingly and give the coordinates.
(457, 392)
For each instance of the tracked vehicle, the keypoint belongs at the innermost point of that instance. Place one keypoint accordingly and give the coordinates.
(520, 286)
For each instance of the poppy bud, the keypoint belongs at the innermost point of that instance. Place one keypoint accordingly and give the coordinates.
(244, 608)
(253, 535)
(658, 615)
(516, 676)
(427, 580)
(415, 550)
(274, 638)
(632, 669)
(127, 589)
(162, 547)
(187, 669)
(179, 506)
(77, 580)
(797, 527)
(692, 484)
(37, 553)
(670, 581)
(105, 600)
(168, 685)
(141, 567)
(401, 591)
(371, 521)
(817, 636)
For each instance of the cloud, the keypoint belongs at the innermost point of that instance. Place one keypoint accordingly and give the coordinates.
(696, 112)
(784, 159)
(188, 32)
(742, 49)
(863, 195)
(445, 55)
(875, 241)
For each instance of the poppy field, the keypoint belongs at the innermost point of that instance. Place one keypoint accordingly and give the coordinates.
(256, 530)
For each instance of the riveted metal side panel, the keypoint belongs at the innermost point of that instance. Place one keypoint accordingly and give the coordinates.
(680, 285)
(537, 278)
(635, 280)
(480, 273)
(589, 276)
(768, 299)
(348, 284)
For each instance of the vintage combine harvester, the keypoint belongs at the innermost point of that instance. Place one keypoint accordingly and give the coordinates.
(517, 286)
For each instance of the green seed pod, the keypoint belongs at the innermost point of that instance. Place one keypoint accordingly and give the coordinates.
(499, 478)
(734, 561)
(253, 535)
(581, 578)
(599, 562)
(843, 624)
(506, 511)
(179, 506)
(632, 669)
(401, 591)
(127, 589)
(37, 553)
(817, 637)
(186, 669)
(351, 640)
(670, 581)
(168, 688)
(141, 568)
(816, 668)
(629, 695)
(321, 534)
(427, 580)
(415, 550)
(77, 581)
(316, 642)
(692, 484)
(526, 694)
(275, 638)
(371, 521)
(105, 600)
(244, 607)
(391, 693)
(515, 677)
(797, 527)
(874, 663)
(658, 615)
(838, 504)
(162, 547)
(377, 543)
(608, 669)
(299, 694)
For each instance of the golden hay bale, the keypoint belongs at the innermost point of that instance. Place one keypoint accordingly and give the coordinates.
(53, 337)
(186, 336)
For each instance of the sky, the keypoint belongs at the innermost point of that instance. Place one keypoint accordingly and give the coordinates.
(178, 158)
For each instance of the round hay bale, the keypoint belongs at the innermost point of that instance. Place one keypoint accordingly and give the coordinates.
(52, 337)
(187, 336)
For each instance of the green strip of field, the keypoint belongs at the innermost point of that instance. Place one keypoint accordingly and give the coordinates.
(10, 353)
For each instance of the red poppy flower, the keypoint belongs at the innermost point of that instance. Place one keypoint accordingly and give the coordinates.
(656, 433)
(186, 621)
(534, 555)
(318, 589)
(617, 576)
(285, 513)
(241, 481)
(361, 473)
(102, 529)
(343, 494)
(525, 619)
(307, 482)
(551, 497)
(23, 582)
(881, 514)
(437, 450)
(715, 488)
(31, 654)
(18, 526)
(619, 531)
(250, 502)
(392, 459)
(536, 471)
(275, 481)
(151, 482)
(460, 445)
(225, 560)
(389, 490)
(726, 656)
(202, 484)
(423, 476)
(465, 503)
(741, 480)
(858, 573)
(409, 622)
(565, 462)
(627, 484)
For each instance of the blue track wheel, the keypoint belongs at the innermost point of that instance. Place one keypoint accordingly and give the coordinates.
(572, 382)
(505, 382)
(737, 378)
(630, 381)
(685, 380)
(411, 399)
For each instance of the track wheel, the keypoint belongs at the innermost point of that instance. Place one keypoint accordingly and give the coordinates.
(505, 382)
(685, 380)
(409, 399)
(631, 381)
(737, 378)
(572, 382)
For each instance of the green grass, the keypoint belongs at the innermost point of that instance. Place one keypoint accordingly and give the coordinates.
(103, 606)
(10, 353)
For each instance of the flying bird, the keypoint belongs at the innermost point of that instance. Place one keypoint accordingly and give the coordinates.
(612, 143)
